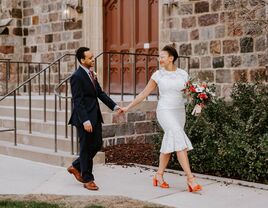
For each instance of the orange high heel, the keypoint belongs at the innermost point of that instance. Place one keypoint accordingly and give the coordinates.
(155, 181)
(195, 188)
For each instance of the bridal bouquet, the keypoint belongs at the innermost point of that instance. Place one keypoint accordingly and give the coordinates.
(200, 93)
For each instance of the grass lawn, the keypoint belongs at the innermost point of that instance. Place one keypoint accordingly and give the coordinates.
(34, 204)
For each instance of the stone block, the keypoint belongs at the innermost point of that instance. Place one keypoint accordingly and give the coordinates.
(230, 46)
(47, 57)
(229, 4)
(124, 129)
(249, 60)
(49, 38)
(178, 36)
(17, 31)
(56, 37)
(135, 116)
(201, 7)
(194, 35)
(73, 45)
(188, 22)
(16, 13)
(261, 44)
(46, 28)
(56, 27)
(142, 127)
(263, 59)
(246, 45)
(28, 12)
(33, 49)
(227, 17)
(185, 49)
(235, 29)
(26, 21)
(6, 49)
(35, 20)
(208, 19)
(205, 62)
(240, 75)
(194, 63)
(119, 118)
(206, 75)
(185, 9)
(201, 48)
(206, 33)
(150, 115)
(73, 25)
(215, 47)
(220, 31)
(77, 35)
(223, 76)
(53, 17)
(259, 75)
(232, 61)
(218, 62)
(26, 4)
(216, 5)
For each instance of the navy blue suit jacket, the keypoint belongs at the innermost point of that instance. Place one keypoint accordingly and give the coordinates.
(85, 99)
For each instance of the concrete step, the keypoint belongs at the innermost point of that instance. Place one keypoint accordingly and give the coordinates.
(38, 113)
(38, 102)
(37, 125)
(43, 155)
(38, 139)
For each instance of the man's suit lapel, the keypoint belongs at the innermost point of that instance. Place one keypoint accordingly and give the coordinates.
(87, 78)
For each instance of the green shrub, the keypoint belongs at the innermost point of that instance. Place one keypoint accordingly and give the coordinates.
(230, 139)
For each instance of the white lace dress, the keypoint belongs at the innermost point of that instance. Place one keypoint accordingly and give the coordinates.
(171, 109)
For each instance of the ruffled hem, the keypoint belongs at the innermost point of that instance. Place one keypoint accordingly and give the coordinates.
(175, 140)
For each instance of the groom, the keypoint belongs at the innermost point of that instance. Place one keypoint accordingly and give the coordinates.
(86, 116)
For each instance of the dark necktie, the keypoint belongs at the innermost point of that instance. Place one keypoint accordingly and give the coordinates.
(91, 74)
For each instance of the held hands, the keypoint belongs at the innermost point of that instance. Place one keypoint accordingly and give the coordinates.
(197, 110)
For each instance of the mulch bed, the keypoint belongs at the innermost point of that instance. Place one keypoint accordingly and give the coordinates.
(131, 153)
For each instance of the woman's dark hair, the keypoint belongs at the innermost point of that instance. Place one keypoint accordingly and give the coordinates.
(171, 52)
(80, 53)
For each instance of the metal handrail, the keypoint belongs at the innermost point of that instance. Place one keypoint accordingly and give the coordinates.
(66, 97)
(28, 81)
(9, 62)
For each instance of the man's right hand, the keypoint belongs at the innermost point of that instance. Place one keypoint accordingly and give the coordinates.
(88, 127)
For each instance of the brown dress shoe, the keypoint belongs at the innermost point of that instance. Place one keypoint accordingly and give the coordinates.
(91, 186)
(76, 174)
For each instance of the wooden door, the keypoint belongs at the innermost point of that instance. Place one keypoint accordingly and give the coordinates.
(128, 25)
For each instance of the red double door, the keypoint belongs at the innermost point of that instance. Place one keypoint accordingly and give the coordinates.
(130, 26)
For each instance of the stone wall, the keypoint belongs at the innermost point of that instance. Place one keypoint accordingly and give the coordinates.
(38, 33)
(226, 39)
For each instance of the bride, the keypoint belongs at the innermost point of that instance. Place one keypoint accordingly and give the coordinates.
(170, 114)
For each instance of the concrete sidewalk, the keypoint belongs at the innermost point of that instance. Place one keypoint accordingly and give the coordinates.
(18, 176)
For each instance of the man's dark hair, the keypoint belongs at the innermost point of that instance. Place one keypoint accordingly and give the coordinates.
(80, 53)
(171, 52)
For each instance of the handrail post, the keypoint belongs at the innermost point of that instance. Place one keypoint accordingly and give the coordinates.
(66, 110)
(109, 75)
(134, 76)
(45, 98)
(55, 125)
(59, 82)
(122, 77)
(146, 71)
(7, 74)
(18, 75)
(15, 119)
(49, 69)
(39, 85)
(30, 108)
(72, 132)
